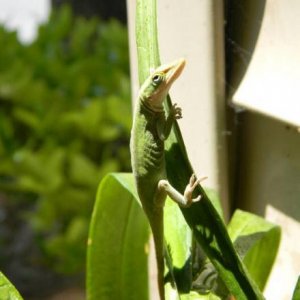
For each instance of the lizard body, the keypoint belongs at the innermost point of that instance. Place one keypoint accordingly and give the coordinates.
(151, 127)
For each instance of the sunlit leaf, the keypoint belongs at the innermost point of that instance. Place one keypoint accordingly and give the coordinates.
(118, 243)
(7, 290)
(257, 242)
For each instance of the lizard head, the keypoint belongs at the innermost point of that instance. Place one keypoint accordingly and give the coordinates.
(156, 87)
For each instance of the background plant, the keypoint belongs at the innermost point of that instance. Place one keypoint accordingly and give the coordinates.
(64, 122)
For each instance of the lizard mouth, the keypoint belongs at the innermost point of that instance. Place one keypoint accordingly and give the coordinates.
(172, 71)
(160, 82)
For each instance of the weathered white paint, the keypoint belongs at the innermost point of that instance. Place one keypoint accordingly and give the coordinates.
(271, 84)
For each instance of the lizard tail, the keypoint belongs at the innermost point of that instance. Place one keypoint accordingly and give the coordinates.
(157, 231)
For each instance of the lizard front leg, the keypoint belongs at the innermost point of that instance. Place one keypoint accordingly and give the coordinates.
(164, 126)
(185, 200)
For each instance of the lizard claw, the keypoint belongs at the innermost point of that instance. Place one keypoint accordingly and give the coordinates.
(177, 111)
(190, 189)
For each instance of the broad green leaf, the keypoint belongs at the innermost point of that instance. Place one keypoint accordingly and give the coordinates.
(118, 243)
(215, 200)
(112, 188)
(296, 294)
(7, 290)
(257, 241)
(178, 237)
(177, 234)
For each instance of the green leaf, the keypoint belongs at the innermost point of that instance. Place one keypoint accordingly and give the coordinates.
(257, 242)
(296, 294)
(215, 200)
(195, 296)
(118, 243)
(78, 161)
(7, 290)
(39, 171)
(111, 240)
(177, 234)
(146, 37)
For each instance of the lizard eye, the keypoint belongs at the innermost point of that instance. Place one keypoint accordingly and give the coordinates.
(157, 79)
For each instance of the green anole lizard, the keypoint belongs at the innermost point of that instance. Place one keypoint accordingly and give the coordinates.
(151, 127)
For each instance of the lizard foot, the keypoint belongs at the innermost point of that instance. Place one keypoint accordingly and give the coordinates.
(185, 200)
(176, 111)
(190, 189)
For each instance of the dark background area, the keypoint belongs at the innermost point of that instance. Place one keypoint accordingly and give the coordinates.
(103, 9)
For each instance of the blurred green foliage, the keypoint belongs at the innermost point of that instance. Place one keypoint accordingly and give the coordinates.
(64, 123)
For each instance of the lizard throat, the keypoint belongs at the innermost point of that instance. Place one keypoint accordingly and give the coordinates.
(150, 107)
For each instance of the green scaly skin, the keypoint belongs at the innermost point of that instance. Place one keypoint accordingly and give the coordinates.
(151, 127)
